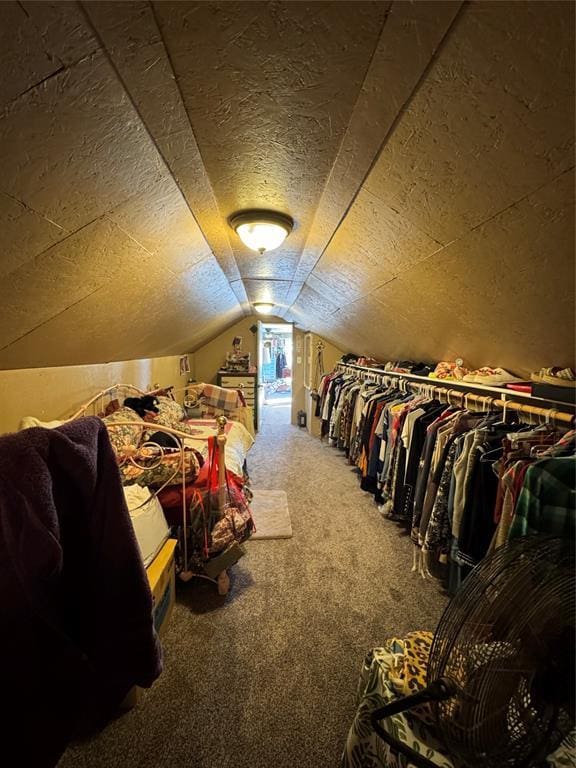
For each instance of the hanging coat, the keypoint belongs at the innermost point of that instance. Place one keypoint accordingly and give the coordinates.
(77, 624)
(280, 364)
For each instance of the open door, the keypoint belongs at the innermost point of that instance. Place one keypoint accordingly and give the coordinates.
(259, 375)
(274, 378)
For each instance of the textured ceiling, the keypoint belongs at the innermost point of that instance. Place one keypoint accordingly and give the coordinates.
(424, 149)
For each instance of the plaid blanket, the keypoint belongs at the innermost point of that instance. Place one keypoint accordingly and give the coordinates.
(218, 397)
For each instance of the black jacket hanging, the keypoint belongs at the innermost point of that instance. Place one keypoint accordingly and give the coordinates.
(280, 364)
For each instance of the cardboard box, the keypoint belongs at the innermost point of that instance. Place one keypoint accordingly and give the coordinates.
(162, 580)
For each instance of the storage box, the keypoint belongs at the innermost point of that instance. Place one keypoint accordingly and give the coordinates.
(162, 580)
(148, 519)
(550, 392)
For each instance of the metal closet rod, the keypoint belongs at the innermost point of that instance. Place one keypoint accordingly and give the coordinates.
(423, 383)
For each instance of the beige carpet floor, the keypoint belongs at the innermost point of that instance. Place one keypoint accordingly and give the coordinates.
(266, 676)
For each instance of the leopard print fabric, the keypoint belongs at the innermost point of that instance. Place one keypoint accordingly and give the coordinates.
(408, 675)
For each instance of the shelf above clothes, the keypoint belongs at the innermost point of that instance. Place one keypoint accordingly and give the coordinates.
(496, 396)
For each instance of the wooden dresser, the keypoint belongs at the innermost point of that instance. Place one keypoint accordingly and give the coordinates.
(246, 383)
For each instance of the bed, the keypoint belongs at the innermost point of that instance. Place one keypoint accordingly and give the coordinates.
(163, 460)
(239, 438)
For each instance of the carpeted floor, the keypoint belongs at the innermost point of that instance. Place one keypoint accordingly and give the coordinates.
(266, 677)
(273, 397)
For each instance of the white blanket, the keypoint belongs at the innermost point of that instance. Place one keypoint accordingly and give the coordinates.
(26, 422)
(238, 442)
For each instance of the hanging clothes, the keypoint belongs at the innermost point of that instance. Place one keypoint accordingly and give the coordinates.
(547, 500)
(463, 482)
(280, 363)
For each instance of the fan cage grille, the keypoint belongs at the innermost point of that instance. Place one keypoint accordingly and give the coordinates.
(507, 641)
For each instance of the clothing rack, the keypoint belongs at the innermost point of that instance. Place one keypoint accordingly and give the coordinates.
(422, 507)
(469, 393)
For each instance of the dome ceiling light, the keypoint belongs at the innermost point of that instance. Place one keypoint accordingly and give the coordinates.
(261, 230)
(263, 307)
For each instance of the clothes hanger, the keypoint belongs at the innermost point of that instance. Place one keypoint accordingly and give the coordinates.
(479, 406)
(504, 420)
(454, 393)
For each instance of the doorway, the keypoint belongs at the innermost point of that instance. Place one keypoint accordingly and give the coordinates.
(275, 371)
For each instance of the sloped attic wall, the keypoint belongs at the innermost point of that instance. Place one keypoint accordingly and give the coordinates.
(102, 258)
(460, 241)
(56, 393)
(425, 151)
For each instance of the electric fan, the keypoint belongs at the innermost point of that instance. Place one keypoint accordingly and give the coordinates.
(500, 675)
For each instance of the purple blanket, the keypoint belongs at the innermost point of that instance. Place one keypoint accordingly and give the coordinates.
(76, 628)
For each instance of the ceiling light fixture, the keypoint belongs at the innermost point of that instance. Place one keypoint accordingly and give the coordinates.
(263, 307)
(261, 230)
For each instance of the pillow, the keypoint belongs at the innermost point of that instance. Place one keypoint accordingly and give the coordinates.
(170, 413)
(122, 437)
(155, 470)
(152, 433)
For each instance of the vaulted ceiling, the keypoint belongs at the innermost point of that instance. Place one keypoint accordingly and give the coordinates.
(424, 149)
